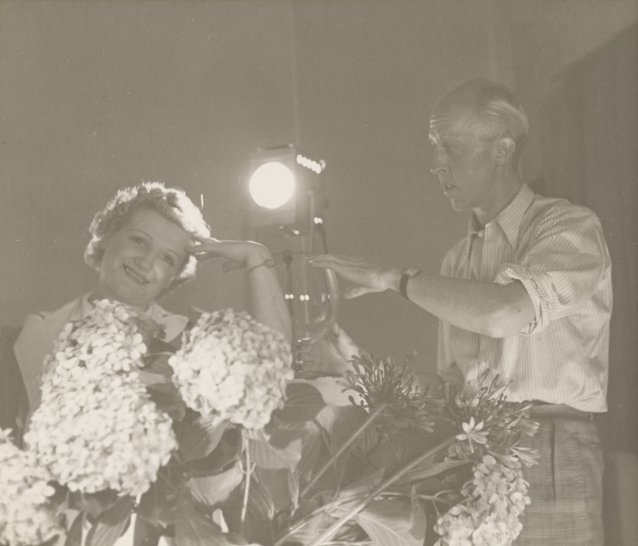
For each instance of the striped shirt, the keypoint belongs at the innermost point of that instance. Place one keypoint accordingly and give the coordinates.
(558, 252)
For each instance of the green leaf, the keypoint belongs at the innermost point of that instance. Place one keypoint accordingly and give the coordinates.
(303, 402)
(264, 455)
(200, 437)
(294, 487)
(159, 346)
(400, 448)
(74, 535)
(167, 399)
(281, 488)
(147, 378)
(342, 424)
(165, 502)
(314, 452)
(146, 534)
(193, 314)
(389, 523)
(427, 469)
(93, 504)
(224, 455)
(361, 487)
(419, 517)
(281, 434)
(348, 419)
(111, 524)
(260, 511)
(158, 363)
(213, 490)
(313, 527)
(195, 529)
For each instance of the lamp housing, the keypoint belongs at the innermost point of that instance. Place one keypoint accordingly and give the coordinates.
(284, 187)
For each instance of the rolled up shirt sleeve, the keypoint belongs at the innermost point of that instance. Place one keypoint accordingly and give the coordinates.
(561, 268)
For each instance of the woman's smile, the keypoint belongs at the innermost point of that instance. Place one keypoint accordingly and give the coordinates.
(137, 277)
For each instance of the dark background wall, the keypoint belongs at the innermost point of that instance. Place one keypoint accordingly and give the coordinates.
(99, 95)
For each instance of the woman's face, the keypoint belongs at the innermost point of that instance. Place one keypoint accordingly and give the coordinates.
(142, 258)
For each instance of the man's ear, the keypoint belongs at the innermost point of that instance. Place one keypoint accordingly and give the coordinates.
(504, 149)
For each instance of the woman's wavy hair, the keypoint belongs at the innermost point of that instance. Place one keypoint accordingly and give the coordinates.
(172, 203)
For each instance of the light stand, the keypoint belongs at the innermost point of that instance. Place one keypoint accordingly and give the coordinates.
(292, 230)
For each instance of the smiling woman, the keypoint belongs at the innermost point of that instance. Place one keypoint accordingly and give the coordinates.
(100, 393)
(145, 242)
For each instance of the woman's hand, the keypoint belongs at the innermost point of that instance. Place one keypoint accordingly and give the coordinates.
(242, 253)
(367, 277)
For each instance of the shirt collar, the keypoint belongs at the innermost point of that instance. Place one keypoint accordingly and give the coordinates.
(509, 219)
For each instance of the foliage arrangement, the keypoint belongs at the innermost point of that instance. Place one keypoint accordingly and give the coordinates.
(253, 455)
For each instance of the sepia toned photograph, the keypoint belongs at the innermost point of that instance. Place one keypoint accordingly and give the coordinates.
(318, 272)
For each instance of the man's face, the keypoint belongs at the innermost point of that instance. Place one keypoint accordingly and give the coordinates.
(142, 258)
(462, 159)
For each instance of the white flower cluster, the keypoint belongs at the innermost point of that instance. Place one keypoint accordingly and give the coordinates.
(490, 514)
(231, 367)
(25, 516)
(96, 427)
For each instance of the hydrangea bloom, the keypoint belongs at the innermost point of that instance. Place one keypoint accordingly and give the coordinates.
(96, 427)
(490, 514)
(231, 367)
(25, 514)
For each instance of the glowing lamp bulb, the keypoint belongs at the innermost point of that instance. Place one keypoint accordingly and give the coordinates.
(272, 185)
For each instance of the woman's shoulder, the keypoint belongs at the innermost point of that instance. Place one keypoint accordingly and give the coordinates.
(64, 313)
(36, 340)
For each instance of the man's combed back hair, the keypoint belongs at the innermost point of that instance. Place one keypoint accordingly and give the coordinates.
(497, 111)
(172, 203)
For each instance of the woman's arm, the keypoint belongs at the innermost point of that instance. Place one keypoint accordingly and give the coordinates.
(267, 303)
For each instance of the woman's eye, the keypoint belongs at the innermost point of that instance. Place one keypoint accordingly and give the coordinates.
(169, 260)
(137, 239)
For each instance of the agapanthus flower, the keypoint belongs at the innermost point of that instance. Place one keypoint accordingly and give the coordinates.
(231, 367)
(26, 514)
(489, 515)
(96, 427)
(384, 383)
(473, 433)
(496, 496)
(489, 421)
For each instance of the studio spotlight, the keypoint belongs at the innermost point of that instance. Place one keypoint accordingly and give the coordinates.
(272, 185)
(284, 186)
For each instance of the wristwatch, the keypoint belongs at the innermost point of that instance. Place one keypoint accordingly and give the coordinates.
(407, 274)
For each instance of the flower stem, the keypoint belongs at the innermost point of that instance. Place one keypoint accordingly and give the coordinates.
(292, 530)
(371, 418)
(247, 471)
(328, 533)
